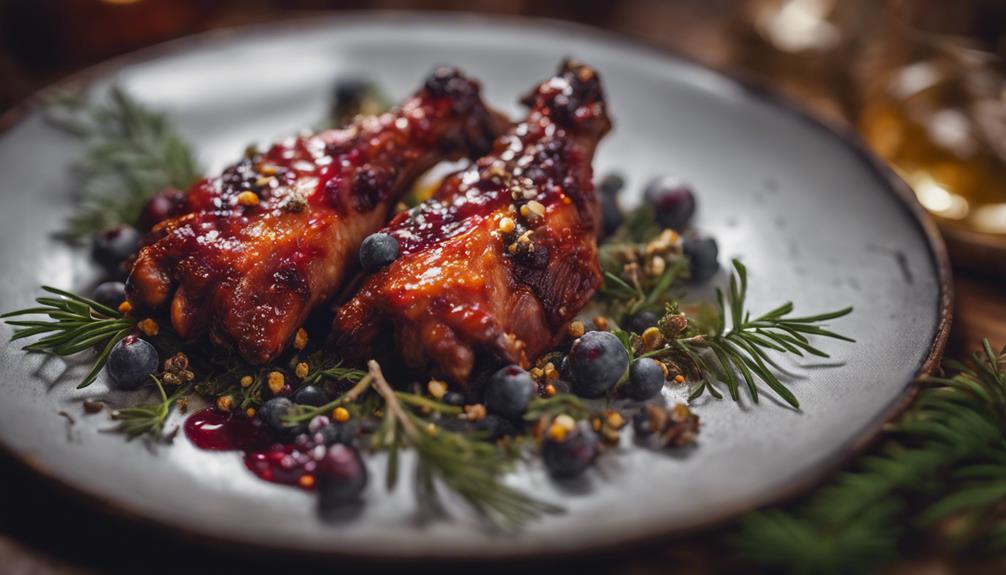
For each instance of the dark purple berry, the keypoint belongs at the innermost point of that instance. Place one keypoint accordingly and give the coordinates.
(338, 432)
(160, 207)
(646, 379)
(566, 369)
(454, 398)
(131, 363)
(114, 245)
(611, 184)
(377, 251)
(672, 200)
(639, 322)
(495, 427)
(350, 93)
(509, 391)
(272, 412)
(572, 455)
(611, 214)
(703, 258)
(310, 395)
(110, 294)
(597, 361)
(342, 476)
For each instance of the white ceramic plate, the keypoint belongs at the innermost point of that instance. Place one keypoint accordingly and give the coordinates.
(812, 215)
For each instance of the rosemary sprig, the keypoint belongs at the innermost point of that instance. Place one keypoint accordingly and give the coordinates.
(640, 270)
(75, 324)
(469, 468)
(941, 471)
(740, 355)
(148, 419)
(132, 153)
(334, 372)
(640, 294)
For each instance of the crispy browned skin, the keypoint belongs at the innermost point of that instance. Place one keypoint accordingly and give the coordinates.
(465, 282)
(248, 269)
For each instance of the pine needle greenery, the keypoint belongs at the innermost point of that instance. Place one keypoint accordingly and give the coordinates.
(462, 462)
(939, 474)
(74, 324)
(712, 354)
(131, 154)
(148, 420)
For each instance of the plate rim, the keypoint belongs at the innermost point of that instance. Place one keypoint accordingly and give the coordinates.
(652, 534)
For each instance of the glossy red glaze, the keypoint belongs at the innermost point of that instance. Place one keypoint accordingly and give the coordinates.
(272, 237)
(503, 255)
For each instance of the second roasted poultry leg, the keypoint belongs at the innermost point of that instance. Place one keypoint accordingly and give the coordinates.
(272, 237)
(505, 253)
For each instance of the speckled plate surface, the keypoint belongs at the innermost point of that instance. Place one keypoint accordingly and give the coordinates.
(813, 216)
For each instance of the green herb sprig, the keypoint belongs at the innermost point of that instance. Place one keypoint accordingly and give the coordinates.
(333, 371)
(131, 154)
(632, 280)
(148, 420)
(469, 467)
(75, 324)
(941, 471)
(741, 355)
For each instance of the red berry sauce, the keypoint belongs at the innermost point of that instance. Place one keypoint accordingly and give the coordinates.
(269, 459)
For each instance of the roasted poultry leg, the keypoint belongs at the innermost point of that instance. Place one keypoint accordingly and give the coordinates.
(505, 253)
(272, 237)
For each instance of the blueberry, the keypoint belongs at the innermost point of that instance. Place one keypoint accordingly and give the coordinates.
(310, 395)
(110, 294)
(611, 214)
(112, 246)
(639, 322)
(342, 476)
(354, 96)
(495, 427)
(566, 369)
(454, 398)
(160, 207)
(597, 361)
(377, 251)
(131, 362)
(702, 256)
(646, 379)
(338, 432)
(672, 200)
(490, 428)
(272, 412)
(611, 184)
(571, 456)
(509, 391)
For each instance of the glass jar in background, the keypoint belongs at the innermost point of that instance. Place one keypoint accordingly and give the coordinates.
(932, 102)
(924, 82)
(803, 47)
